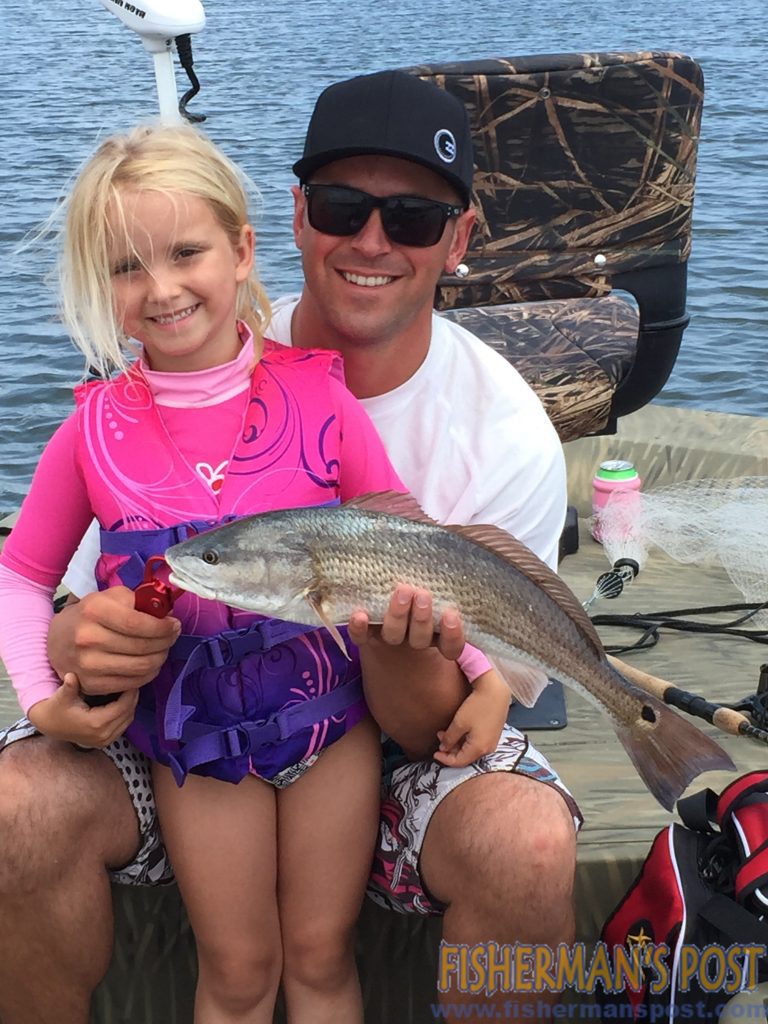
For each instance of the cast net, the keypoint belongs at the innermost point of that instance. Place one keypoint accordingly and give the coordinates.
(709, 521)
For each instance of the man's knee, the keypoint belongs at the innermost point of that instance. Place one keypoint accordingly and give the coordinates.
(53, 800)
(496, 832)
(545, 837)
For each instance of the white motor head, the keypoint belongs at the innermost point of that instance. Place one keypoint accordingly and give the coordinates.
(159, 21)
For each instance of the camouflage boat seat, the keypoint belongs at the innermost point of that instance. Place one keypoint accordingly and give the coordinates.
(584, 179)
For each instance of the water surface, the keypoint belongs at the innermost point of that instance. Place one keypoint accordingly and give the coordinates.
(72, 73)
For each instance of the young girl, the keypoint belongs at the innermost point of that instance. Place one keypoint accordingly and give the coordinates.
(209, 422)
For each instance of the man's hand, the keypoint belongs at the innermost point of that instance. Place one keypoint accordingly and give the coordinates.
(411, 680)
(408, 620)
(64, 716)
(108, 644)
(477, 724)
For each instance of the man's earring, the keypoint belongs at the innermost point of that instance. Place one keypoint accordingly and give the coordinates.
(462, 270)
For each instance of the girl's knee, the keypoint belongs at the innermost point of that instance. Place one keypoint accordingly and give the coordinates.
(319, 956)
(240, 979)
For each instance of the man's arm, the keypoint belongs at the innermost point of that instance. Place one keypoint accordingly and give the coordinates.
(109, 645)
(100, 636)
(520, 479)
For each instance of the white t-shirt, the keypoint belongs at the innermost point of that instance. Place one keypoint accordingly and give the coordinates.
(469, 437)
(465, 433)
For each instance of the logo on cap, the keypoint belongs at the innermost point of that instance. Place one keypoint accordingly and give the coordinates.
(445, 145)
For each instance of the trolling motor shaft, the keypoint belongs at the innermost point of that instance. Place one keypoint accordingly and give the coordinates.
(158, 23)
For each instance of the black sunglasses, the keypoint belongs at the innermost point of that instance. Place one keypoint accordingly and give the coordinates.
(407, 220)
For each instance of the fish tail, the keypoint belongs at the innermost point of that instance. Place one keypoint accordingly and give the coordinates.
(670, 752)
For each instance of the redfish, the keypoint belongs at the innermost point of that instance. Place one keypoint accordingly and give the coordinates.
(317, 565)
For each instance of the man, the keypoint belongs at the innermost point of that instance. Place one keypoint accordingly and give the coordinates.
(382, 210)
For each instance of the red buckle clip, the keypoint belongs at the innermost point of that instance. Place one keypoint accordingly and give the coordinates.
(153, 596)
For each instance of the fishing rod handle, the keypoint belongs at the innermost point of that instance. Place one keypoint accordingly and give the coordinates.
(726, 719)
(737, 724)
(651, 684)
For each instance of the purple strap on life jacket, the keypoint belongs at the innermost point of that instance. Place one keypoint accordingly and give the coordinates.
(139, 545)
(218, 742)
(226, 648)
(204, 743)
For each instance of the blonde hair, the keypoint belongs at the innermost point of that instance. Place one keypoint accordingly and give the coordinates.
(165, 158)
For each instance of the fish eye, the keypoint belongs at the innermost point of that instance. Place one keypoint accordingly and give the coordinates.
(210, 557)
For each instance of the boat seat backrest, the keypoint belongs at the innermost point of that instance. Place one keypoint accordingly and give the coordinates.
(584, 179)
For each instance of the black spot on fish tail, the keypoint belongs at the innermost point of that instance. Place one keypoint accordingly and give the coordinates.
(671, 753)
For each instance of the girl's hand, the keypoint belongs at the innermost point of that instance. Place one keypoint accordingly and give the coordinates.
(64, 716)
(477, 724)
(408, 620)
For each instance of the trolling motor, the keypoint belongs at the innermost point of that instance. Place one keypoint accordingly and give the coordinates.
(161, 24)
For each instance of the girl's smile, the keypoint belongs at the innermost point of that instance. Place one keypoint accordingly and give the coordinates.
(175, 277)
(174, 318)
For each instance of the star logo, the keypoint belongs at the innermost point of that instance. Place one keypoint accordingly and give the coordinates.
(641, 940)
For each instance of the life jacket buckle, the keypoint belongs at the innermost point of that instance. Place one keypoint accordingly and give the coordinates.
(244, 738)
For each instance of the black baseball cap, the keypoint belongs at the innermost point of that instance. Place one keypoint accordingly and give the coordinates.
(391, 113)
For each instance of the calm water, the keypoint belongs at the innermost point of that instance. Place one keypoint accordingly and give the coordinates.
(71, 73)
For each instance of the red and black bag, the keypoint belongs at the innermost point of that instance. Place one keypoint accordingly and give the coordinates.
(703, 885)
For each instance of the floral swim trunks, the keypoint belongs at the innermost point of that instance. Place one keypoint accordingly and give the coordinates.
(411, 793)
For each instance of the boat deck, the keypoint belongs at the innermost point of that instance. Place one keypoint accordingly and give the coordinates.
(150, 979)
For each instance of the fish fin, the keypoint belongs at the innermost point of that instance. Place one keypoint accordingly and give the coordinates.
(391, 503)
(520, 557)
(525, 682)
(668, 751)
(315, 601)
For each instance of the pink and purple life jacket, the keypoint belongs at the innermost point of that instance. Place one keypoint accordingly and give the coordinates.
(239, 692)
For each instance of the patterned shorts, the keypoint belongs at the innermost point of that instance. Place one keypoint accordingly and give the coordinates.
(411, 793)
(151, 865)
